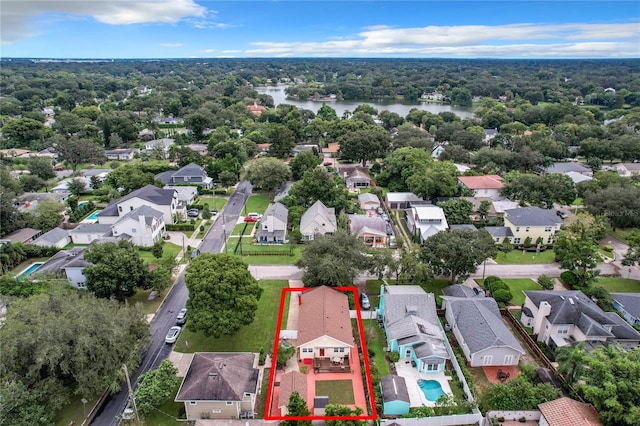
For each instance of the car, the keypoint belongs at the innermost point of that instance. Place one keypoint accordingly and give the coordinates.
(172, 335)
(182, 317)
(327, 163)
(562, 214)
(58, 169)
(214, 212)
(127, 414)
(389, 230)
(364, 301)
(193, 212)
(252, 217)
(385, 217)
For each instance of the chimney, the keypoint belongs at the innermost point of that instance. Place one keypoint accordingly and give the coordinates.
(299, 299)
(543, 311)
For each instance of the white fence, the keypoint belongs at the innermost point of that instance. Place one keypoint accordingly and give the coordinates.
(513, 415)
(453, 420)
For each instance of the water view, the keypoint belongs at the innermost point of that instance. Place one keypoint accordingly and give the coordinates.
(280, 97)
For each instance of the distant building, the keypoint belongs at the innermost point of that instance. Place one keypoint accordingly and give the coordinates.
(483, 186)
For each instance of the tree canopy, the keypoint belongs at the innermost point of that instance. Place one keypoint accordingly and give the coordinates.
(223, 296)
(268, 173)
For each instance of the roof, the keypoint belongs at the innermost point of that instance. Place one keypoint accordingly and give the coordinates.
(360, 224)
(368, 197)
(353, 172)
(499, 231)
(319, 217)
(429, 212)
(481, 182)
(214, 376)
(480, 323)
(119, 151)
(566, 411)
(458, 290)
(110, 210)
(501, 206)
(191, 169)
(152, 194)
(149, 214)
(577, 177)
(331, 148)
(165, 142)
(165, 177)
(571, 166)
(394, 388)
(533, 216)
(324, 311)
(276, 210)
(61, 260)
(574, 307)
(95, 172)
(630, 166)
(290, 382)
(53, 236)
(629, 301)
(91, 228)
(21, 235)
(396, 197)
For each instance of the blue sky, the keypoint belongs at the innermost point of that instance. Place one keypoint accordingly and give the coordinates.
(195, 28)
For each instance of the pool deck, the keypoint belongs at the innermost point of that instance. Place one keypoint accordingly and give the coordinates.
(412, 375)
(90, 219)
(22, 274)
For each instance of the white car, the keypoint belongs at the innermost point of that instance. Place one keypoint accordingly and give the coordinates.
(182, 317)
(172, 335)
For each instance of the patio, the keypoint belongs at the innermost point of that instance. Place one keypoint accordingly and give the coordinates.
(501, 374)
(412, 375)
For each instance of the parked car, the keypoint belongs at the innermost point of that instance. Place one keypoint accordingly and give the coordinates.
(214, 211)
(385, 217)
(252, 217)
(182, 317)
(172, 335)
(193, 212)
(127, 414)
(364, 301)
(562, 214)
(327, 163)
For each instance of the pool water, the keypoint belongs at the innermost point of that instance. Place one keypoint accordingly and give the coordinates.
(94, 215)
(28, 271)
(431, 389)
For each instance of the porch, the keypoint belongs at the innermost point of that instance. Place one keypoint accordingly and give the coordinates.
(331, 365)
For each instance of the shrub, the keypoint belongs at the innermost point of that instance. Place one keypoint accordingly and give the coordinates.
(546, 282)
(394, 357)
(180, 227)
(607, 247)
(502, 295)
(304, 369)
(489, 280)
(527, 242)
(569, 278)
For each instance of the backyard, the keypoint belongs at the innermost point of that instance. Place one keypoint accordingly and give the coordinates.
(519, 257)
(376, 342)
(338, 391)
(250, 338)
(169, 251)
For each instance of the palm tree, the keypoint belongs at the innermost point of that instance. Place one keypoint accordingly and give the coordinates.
(11, 255)
(571, 360)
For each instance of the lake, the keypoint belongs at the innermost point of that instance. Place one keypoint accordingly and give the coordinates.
(402, 109)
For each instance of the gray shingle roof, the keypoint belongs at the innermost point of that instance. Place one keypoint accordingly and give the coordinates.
(459, 290)
(277, 210)
(533, 216)
(91, 227)
(394, 388)
(499, 231)
(52, 237)
(149, 214)
(110, 210)
(630, 302)
(568, 167)
(479, 322)
(191, 169)
(153, 194)
(319, 217)
(165, 177)
(62, 259)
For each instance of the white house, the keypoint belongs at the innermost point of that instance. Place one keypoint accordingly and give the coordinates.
(57, 237)
(401, 200)
(426, 220)
(162, 200)
(273, 225)
(144, 225)
(483, 186)
(628, 169)
(85, 233)
(164, 143)
(186, 194)
(318, 219)
(368, 201)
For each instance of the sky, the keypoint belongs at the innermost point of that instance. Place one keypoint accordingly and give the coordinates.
(288, 28)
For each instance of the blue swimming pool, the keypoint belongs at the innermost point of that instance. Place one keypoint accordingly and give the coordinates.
(431, 389)
(94, 215)
(28, 271)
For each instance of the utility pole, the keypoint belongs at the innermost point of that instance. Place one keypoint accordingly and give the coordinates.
(131, 397)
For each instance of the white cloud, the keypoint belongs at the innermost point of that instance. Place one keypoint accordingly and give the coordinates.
(208, 50)
(17, 15)
(172, 45)
(513, 40)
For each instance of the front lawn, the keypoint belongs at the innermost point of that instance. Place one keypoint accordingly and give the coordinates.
(264, 254)
(517, 286)
(434, 286)
(250, 338)
(623, 234)
(169, 251)
(518, 257)
(619, 284)
(338, 391)
(142, 297)
(75, 412)
(257, 203)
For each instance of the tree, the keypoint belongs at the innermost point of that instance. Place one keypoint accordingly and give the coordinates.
(632, 256)
(336, 410)
(483, 209)
(577, 249)
(157, 249)
(457, 252)
(156, 386)
(76, 187)
(541, 191)
(316, 184)
(364, 144)
(620, 204)
(268, 174)
(128, 178)
(78, 151)
(400, 165)
(41, 167)
(48, 215)
(517, 394)
(11, 255)
(282, 140)
(457, 211)
(227, 178)
(117, 270)
(223, 296)
(19, 406)
(333, 260)
(546, 282)
(32, 183)
(506, 247)
(47, 349)
(436, 179)
(297, 407)
(306, 160)
(21, 132)
(571, 362)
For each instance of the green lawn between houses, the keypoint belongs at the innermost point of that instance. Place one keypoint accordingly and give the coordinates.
(434, 286)
(338, 391)
(250, 338)
(619, 284)
(517, 286)
(518, 257)
(169, 251)
(376, 342)
(257, 203)
(275, 259)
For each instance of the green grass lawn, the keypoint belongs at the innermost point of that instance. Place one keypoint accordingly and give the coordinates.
(218, 203)
(240, 228)
(142, 297)
(577, 202)
(169, 251)
(619, 285)
(247, 249)
(338, 391)
(250, 338)
(434, 286)
(24, 265)
(517, 257)
(623, 234)
(75, 412)
(207, 225)
(257, 203)
(517, 285)
(167, 413)
(376, 341)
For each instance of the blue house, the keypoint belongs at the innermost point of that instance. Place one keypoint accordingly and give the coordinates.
(628, 304)
(395, 396)
(412, 327)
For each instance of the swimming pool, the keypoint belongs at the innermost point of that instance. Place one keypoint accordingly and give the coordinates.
(93, 216)
(432, 389)
(29, 270)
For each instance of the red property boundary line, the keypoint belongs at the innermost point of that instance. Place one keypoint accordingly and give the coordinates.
(365, 354)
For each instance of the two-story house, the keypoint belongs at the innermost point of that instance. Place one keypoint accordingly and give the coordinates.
(144, 225)
(190, 174)
(318, 219)
(163, 144)
(532, 222)
(483, 186)
(425, 220)
(565, 318)
(272, 227)
(162, 200)
(372, 230)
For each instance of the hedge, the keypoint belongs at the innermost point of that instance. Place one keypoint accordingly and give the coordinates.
(181, 227)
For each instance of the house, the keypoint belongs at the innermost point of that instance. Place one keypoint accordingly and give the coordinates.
(85, 233)
(144, 225)
(425, 220)
(628, 169)
(533, 222)
(120, 154)
(499, 233)
(186, 194)
(169, 120)
(290, 382)
(412, 326)
(501, 206)
(29, 200)
(57, 237)
(578, 177)
(163, 143)
(477, 202)
(395, 396)
(437, 151)
(481, 332)
(324, 326)
(331, 150)
(24, 236)
(566, 411)
(461, 290)
(220, 386)
(273, 225)
(355, 177)
(163, 200)
(63, 185)
(571, 166)
(368, 201)
(200, 148)
(483, 186)
(256, 109)
(628, 304)
(15, 153)
(400, 200)
(66, 264)
(318, 219)
(372, 230)
(192, 174)
(305, 147)
(489, 134)
(564, 318)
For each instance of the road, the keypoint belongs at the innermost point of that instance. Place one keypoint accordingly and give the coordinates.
(158, 350)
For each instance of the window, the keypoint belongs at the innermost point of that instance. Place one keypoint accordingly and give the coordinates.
(516, 240)
(549, 240)
(433, 367)
(216, 411)
(517, 229)
(229, 402)
(307, 349)
(527, 229)
(563, 329)
(120, 209)
(133, 230)
(338, 350)
(547, 229)
(193, 403)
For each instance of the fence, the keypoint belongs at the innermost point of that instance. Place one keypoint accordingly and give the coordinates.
(452, 420)
(531, 344)
(513, 415)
